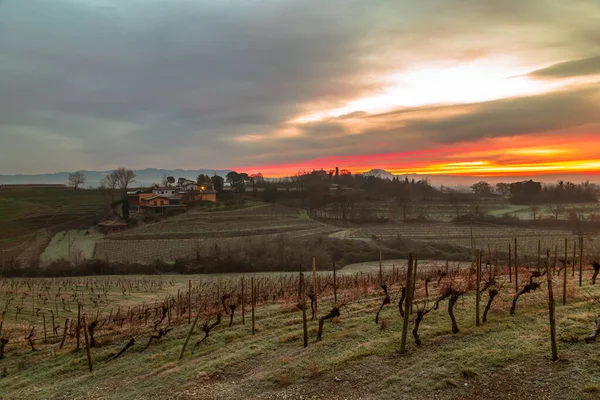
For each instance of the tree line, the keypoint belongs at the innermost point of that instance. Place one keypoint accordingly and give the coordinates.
(532, 192)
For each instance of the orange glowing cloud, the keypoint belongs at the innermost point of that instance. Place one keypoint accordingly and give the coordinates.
(516, 156)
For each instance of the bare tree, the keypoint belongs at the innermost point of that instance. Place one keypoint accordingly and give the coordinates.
(109, 185)
(578, 221)
(503, 189)
(76, 179)
(534, 211)
(481, 188)
(556, 210)
(124, 177)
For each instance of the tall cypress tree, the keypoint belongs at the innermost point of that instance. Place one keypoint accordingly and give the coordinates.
(125, 208)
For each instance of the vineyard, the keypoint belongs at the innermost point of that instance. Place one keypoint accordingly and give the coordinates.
(425, 210)
(197, 233)
(470, 236)
(456, 325)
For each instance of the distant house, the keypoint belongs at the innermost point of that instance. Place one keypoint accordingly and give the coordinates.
(155, 201)
(163, 198)
(188, 186)
(319, 173)
(161, 202)
(186, 191)
(169, 191)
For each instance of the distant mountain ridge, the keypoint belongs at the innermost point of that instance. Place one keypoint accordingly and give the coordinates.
(144, 177)
(380, 173)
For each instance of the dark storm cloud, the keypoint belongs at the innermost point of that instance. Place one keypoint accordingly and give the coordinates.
(568, 69)
(98, 83)
(177, 73)
(568, 109)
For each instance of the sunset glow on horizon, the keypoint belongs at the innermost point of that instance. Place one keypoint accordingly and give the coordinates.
(575, 156)
(421, 102)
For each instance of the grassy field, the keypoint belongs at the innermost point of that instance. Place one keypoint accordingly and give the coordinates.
(545, 211)
(74, 245)
(26, 211)
(507, 357)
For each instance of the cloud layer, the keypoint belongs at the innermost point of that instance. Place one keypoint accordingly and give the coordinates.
(93, 84)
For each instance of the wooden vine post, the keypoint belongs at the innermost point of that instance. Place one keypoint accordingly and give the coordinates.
(243, 302)
(580, 260)
(539, 260)
(565, 272)
(380, 268)
(408, 301)
(187, 339)
(516, 267)
(477, 283)
(555, 259)
(45, 330)
(334, 285)
(303, 306)
(78, 327)
(574, 258)
(189, 301)
(414, 280)
(64, 336)
(315, 286)
(509, 262)
(87, 346)
(253, 303)
(551, 307)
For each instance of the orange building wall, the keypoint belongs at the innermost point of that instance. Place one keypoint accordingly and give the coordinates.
(209, 197)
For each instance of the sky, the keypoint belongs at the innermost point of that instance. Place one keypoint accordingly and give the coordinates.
(457, 87)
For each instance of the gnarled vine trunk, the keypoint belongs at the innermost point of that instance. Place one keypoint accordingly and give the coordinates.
(493, 293)
(401, 302)
(385, 302)
(596, 271)
(335, 312)
(451, 303)
(530, 287)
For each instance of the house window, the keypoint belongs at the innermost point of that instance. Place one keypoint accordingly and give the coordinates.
(162, 202)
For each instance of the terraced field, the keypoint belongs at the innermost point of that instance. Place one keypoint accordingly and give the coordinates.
(431, 211)
(477, 236)
(197, 233)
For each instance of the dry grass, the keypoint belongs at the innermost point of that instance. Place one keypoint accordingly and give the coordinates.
(313, 370)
